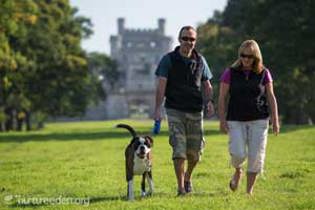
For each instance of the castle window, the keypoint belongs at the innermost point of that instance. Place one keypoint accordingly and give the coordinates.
(140, 45)
(152, 44)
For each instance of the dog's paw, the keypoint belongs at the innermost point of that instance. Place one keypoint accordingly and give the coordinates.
(130, 198)
(149, 193)
(143, 194)
(146, 194)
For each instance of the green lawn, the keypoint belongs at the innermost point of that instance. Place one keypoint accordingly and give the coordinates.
(86, 160)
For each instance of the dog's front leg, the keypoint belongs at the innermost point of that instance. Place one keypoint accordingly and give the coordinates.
(129, 172)
(143, 184)
(150, 183)
(130, 194)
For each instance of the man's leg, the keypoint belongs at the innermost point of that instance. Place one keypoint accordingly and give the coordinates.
(190, 167)
(195, 144)
(188, 174)
(179, 166)
(177, 140)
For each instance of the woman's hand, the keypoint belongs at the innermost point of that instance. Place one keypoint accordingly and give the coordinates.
(275, 126)
(224, 126)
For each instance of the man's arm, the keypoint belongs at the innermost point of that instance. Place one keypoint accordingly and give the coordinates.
(159, 96)
(208, 94)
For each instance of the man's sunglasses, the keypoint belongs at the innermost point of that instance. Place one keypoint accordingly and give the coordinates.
(247, 56)
(186, 39)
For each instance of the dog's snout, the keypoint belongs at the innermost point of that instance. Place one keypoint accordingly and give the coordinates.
(142, 148)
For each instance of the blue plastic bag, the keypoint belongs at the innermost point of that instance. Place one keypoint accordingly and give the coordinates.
(156, 127)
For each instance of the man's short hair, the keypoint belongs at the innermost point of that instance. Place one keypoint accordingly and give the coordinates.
(185, 28)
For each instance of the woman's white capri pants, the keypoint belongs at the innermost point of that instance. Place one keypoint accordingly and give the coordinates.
(248, 139)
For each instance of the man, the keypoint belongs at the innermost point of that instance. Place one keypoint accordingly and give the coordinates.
(184, 81)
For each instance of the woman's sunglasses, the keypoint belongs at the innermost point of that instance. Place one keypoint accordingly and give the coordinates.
(247, 56)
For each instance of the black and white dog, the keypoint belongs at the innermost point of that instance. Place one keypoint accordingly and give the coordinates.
(138, 161)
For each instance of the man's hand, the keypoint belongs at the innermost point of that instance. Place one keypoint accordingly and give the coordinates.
(156, 127)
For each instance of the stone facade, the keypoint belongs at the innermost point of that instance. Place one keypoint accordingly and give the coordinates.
(137, 52)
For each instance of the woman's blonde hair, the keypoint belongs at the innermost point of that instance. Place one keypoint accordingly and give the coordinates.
(253, 48)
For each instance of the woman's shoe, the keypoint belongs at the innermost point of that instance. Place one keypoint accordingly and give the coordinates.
(235, 181)
(233, 184)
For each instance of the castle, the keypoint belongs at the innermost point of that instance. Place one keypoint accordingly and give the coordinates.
(137, 53)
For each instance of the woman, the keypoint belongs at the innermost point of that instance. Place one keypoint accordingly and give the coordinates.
(249, 86)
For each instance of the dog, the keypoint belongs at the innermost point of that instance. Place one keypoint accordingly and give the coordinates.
(138, 162)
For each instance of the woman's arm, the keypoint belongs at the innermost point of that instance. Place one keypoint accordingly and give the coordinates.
(274, 108)
(224, 90)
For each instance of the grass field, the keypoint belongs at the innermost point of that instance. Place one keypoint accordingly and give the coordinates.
(84, 163)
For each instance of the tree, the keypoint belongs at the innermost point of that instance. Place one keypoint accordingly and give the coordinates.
(41, 58)
(104, 66)
(15, 17)
(285, 31)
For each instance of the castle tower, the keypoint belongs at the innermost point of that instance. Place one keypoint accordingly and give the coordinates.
(161, 25)
(121, 25)
(137, 52)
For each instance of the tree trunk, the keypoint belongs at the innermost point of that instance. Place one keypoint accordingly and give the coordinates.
(28, 120)
(19, 124)
(9, 119)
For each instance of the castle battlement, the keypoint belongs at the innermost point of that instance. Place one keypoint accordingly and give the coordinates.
(140, 31)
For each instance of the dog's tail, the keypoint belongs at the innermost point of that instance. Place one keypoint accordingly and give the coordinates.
(129, 128)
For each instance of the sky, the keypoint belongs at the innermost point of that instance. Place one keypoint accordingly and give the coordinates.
(142, 14)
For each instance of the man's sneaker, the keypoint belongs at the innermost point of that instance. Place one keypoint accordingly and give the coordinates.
(188, 186)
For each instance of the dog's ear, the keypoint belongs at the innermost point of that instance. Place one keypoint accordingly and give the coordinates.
(149, 139)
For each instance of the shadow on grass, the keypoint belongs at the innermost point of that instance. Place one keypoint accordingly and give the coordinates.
(75, 136)
(107, 198)
(86, 136)
(214, 130)
(106, 135)
(156, 195)
(31, 205)
(298, 173)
